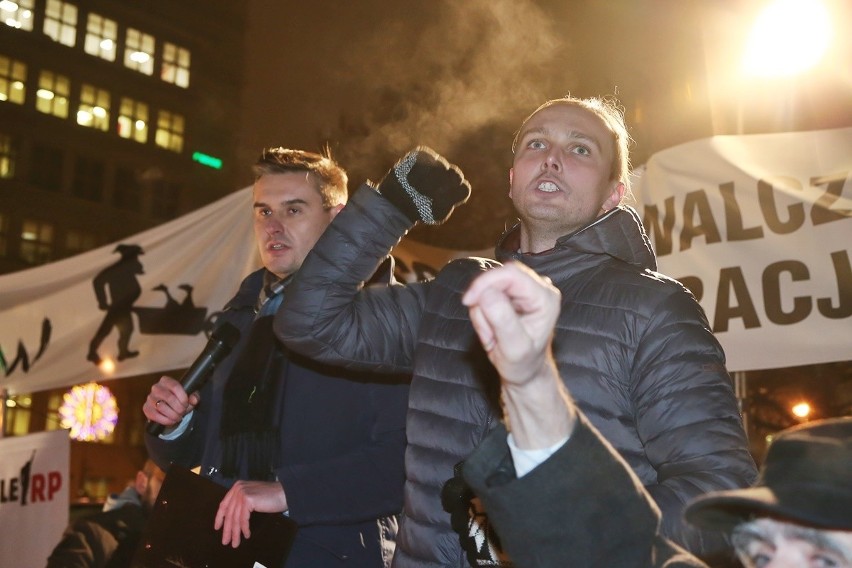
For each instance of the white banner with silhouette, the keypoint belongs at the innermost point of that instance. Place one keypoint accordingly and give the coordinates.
(757, 226)
(139, 306)
(33, 497)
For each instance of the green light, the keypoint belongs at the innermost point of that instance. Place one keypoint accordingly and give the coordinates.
(206, 160)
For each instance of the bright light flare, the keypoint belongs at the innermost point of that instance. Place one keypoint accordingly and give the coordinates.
(801, 410)
(789, 36)
(89, 412)
(107, 366)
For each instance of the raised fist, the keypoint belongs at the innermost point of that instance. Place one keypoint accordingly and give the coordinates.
(424, 186)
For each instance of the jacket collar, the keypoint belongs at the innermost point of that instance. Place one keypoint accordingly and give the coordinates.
(619, 234)
(252, 285)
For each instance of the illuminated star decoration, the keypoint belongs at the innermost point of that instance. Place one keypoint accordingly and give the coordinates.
(89, 411)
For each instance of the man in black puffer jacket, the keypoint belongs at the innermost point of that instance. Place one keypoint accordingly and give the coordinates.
(286, 434)
(632, 345)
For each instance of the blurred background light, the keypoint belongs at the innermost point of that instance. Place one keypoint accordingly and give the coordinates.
(789, 37)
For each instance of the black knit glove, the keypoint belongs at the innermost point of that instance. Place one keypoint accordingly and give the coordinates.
(424, 186)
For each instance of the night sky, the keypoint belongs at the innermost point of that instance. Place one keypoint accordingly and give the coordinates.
(375, 78)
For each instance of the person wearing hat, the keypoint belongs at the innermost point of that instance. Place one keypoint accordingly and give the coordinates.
(799, 513)
(117, 289)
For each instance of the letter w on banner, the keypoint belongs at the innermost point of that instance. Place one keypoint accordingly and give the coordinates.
(759, 227)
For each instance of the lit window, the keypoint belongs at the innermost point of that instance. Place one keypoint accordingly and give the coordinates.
(79, 241)
(52, 94)
(169, 131)
(52, 420)
(13, 77)
(88, 179)
(139, 51)
(60, 22)
(101, 37)
(175, 65)
(17, 14)
(7, 157)
(18, 412)
(36, 241)
(133, 120)
(94, 108)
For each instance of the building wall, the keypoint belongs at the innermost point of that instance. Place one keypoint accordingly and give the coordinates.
(67, 187)
(139, 184)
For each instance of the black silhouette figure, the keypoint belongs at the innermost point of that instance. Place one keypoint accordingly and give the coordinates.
(170, 301)
(187, 301)
(119, 279)
(178, 316)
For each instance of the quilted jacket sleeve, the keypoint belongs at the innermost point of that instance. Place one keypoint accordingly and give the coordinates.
(328, 314)
(687, 416)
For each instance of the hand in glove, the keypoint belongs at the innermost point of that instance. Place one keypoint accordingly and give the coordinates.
(424, 186)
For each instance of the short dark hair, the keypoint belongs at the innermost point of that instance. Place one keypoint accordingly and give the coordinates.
(329, 178)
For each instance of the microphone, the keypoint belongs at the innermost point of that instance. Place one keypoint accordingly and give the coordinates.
(221, 341)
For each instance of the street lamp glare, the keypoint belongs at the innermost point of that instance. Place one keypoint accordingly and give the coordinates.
(789, 36)
(801, 410)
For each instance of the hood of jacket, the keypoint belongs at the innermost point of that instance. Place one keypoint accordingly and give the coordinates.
(619, 234)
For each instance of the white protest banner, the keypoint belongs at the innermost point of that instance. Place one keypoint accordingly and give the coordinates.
(760, 228)
(757, 226)
(163, 286)
(33, 497)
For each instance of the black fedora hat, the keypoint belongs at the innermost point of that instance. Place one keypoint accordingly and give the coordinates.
(806, 478)
(128, 250)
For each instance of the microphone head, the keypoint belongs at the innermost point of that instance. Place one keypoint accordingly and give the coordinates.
(226, 333)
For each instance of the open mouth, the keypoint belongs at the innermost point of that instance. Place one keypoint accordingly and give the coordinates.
(548, 187)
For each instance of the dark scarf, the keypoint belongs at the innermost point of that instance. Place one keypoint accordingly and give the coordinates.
(250, 426)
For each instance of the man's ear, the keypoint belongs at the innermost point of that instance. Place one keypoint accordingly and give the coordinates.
(511, 177)
(336, 209)
(614, 197)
